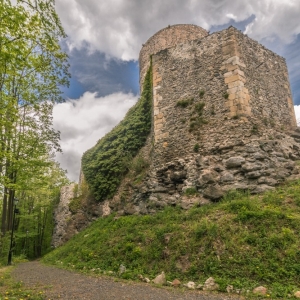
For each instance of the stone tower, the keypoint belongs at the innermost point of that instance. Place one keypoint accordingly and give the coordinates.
(223, 117)
(240, 76)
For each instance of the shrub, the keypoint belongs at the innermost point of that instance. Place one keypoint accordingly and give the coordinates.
(199, 108)
(184, 103)
(226, 95)
(196, 148)
(75, 204)
(254, 129)
(190, 191)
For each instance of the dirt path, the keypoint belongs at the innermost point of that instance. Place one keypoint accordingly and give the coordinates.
(63, 284)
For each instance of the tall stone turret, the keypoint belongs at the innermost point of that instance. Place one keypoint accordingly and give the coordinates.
(166, 38)
(223, 117)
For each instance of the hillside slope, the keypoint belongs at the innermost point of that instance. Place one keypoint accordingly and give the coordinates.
(244, 241)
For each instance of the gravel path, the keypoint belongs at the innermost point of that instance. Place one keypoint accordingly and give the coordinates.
(66, 285)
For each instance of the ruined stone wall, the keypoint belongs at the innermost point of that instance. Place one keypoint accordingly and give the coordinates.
(236, 76)
(267, 81)
(70, 219)
(180, 74)
(222, 119)
(166, 38)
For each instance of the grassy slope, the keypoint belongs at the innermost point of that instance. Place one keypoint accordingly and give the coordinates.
(244, 240)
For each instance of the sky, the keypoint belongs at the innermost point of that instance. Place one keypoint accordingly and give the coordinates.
(103, 44)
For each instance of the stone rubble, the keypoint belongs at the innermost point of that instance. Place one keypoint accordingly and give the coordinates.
(160, 279)
(176, 283)
(229, 289)
(210, 285)
(297, 294)
(260, 290)
(190, 285)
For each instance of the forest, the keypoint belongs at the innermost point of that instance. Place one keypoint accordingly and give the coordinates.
(33, 68)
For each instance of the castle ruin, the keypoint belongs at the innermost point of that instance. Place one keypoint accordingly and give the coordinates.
(222, 119)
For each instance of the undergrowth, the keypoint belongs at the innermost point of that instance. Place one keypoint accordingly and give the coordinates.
(11, 290)
(244, 241)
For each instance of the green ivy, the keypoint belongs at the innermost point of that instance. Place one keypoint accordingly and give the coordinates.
(106, 163)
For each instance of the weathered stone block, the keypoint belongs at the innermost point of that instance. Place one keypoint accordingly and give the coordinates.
(234, 162)
(213, 192)
(236, 77)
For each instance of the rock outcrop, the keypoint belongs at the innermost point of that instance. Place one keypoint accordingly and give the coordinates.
(62, 215)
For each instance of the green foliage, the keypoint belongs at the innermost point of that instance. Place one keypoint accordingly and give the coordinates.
(138, 164)
(184, 103)
(11, 289)
(75, 204)
(32, 69)
(243, 240)
(199, 108)
(201, 93)
(226, 95)
(106, 163)
(35, 223)
(197, 120)
(191, 191)
(196, 148)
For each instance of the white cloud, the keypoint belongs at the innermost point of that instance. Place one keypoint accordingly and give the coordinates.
(297, 112)
(275, 18)
(84, 121)
(118, 27)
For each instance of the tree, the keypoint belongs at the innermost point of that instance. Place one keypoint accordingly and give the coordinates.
(32, 69)
(34, 225)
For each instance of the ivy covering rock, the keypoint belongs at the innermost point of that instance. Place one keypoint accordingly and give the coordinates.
(107, 162)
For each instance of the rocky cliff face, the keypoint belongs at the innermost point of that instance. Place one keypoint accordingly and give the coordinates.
(75, 211)
(62, 215)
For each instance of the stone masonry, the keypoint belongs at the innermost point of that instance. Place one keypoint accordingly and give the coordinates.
(216, 64)
(166, 38)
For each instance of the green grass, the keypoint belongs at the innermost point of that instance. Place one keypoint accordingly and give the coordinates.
(245, 241)
(12, 290)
